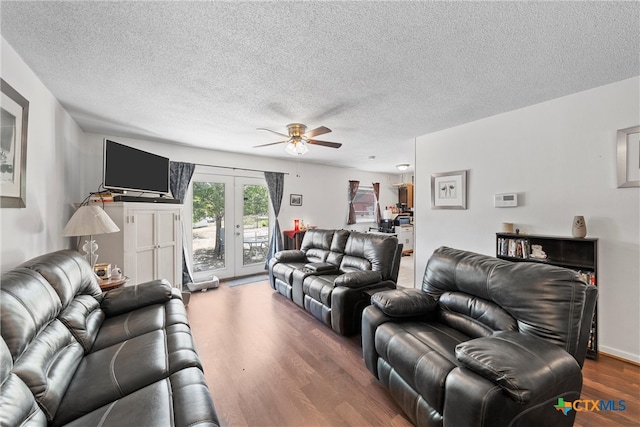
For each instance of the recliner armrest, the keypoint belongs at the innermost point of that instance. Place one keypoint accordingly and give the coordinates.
(522, 365)
(357, 279)
(404, 302)
(290, 255)
(128, 298)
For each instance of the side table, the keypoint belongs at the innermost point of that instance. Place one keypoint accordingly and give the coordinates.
(108, 284)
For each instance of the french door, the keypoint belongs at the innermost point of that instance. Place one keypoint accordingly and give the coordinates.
(230, 226)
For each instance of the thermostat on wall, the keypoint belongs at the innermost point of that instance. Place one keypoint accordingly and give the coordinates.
(506, 200)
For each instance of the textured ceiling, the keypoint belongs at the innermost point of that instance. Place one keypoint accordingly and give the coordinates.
(379, 74)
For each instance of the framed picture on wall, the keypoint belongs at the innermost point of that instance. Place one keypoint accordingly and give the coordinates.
(449, 190)
(14, 111)
(295, 199)
(628, 148)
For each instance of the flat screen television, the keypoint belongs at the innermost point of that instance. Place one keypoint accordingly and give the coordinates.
(129, 169)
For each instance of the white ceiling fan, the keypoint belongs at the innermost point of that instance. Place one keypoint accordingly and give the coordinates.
(298, 138)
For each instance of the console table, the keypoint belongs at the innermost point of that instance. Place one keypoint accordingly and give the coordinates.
(292, 239)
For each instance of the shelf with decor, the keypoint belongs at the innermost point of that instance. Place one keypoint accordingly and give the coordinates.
(579, 254)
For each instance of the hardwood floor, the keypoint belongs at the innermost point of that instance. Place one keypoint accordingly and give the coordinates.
(270, 363)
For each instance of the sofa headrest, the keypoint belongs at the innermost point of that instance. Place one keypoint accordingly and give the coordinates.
(27, 305)
(68, 273)
(546, 301)
(377, 250)
(317, 239)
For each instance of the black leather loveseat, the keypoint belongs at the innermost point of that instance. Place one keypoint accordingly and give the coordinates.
(486, 342)
(332, 273)
(71, 355)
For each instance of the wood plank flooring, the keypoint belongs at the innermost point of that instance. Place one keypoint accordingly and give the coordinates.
(270, 363)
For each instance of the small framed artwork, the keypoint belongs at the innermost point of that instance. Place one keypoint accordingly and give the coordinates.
(628, 148)
(295, 199)
(449, 190)
(14, 115)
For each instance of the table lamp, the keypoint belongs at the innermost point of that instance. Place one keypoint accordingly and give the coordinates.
(87, 221)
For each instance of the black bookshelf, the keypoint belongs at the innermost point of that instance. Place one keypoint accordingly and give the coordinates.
(577, 254)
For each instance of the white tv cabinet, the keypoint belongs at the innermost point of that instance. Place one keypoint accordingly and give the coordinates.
(149, 243)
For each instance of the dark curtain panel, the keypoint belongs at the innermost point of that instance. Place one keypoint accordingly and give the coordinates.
(353, 190)
(275, 183)
(180, 176)
(376, 192)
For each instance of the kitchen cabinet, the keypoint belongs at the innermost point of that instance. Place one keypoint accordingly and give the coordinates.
(405, 195)
(149, 244)
(405, 237)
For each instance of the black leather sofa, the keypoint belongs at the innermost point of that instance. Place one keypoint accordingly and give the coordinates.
(333, 273)
(71, 355)
(485, 342)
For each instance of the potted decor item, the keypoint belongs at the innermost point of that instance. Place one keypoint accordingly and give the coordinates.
(579, 228)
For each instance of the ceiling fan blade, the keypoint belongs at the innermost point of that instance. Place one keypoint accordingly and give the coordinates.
(317, 131)
(271, 143)
(325, 143)
(273, 131)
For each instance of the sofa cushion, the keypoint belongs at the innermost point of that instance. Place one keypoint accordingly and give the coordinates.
(17, 405)
(317, 255)
(422, 354)
(404, 303)
(522, 365)
(339, 241)
(284, 270)
(317, 239)
(127, 298)
(366, 251)
(48, 364)
(319, 288)
(68, 273)
(137, 322)
(113, 372)
(182, 399)
(27, 305)
(474, 316)
(83, 317)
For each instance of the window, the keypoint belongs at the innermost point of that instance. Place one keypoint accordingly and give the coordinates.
(365, 205)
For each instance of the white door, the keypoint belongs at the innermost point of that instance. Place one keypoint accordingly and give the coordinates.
(229, 226)
(251, 227)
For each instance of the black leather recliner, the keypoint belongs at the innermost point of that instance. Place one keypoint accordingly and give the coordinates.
(485, 342)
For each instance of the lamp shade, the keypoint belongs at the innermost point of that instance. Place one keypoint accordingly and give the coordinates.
(89, 220)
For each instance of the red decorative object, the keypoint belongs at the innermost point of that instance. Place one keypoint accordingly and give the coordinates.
(296, 224)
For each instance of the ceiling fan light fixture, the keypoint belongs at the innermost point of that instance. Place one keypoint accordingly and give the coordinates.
(296, 147)
(403, 166)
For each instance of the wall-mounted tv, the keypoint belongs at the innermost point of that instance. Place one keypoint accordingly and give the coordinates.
(129, 169)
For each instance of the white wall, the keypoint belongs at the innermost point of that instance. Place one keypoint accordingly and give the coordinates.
(560, 156)
(54, 170)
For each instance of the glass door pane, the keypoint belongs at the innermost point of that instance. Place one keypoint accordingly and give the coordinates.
(252, 226)
(208, 234)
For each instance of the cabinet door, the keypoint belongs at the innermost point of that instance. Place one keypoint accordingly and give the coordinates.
(168, 247)
(405, 236)
(144, 246)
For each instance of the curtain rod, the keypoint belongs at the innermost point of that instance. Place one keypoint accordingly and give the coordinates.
(240, 169)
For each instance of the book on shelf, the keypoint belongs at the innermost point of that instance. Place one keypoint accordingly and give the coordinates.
(514, 248)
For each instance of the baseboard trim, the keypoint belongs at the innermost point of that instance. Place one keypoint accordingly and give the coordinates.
(620, 358)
